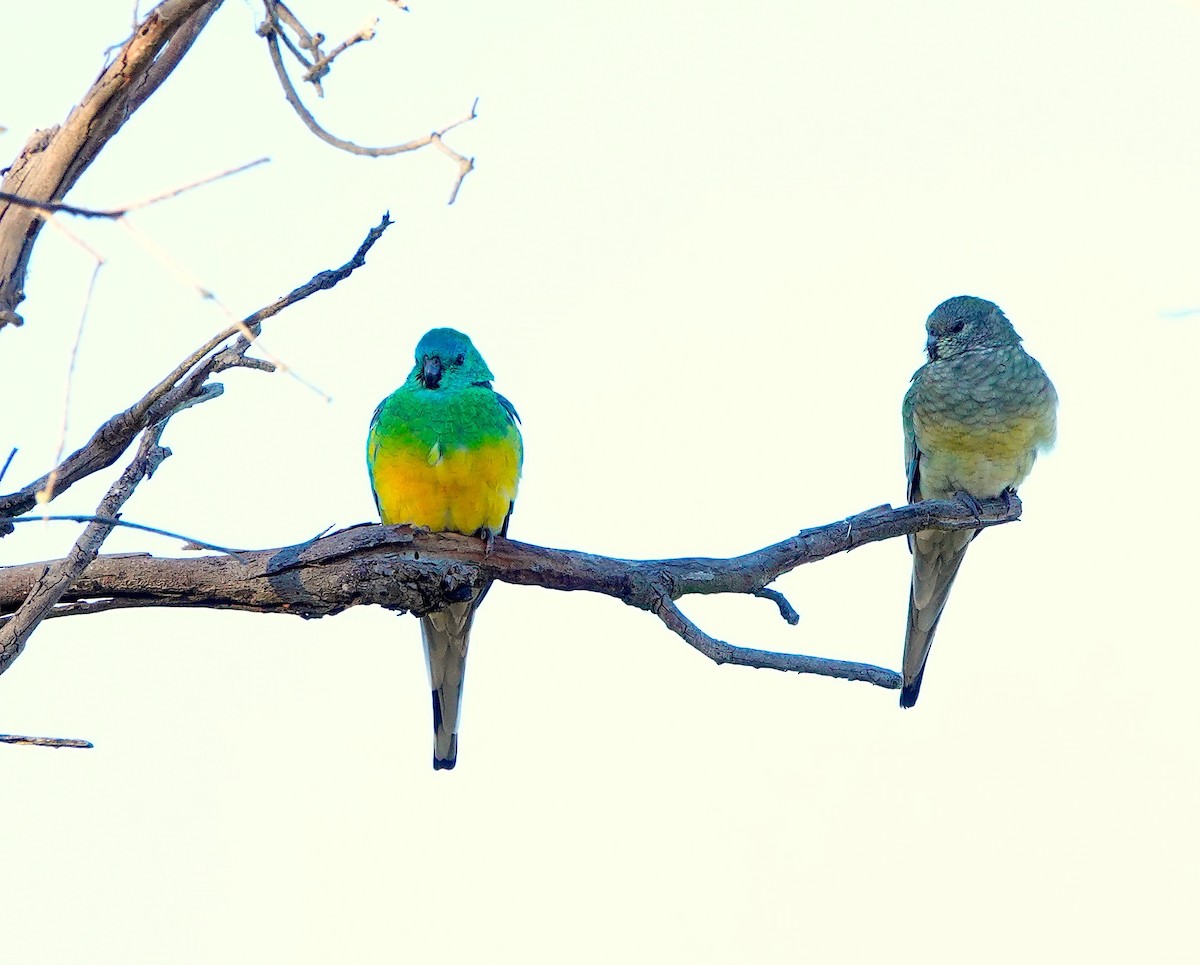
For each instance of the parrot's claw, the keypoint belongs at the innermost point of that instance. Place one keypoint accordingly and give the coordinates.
(970, 502)
(489, 540)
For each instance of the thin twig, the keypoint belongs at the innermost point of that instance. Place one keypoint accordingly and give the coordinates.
(57, 225)
(113, 214)
(321, 67)
(57, 578)
(58, 207)
(45, 741)
(119, 215)
(207, 294)
(45, 495)
(189, 541)
(721, 652)
(185, 384)
(465, 164)
(202, 182)
(272, 30)
(279, 12)
(786, 610)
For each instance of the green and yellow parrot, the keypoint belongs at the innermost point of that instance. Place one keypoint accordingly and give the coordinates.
(975, 418)
(444, 452)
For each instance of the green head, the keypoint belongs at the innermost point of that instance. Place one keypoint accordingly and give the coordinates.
(446, 359)
(963, 323)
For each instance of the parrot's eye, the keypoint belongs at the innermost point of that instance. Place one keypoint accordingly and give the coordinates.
(955, 327)
(459, 359)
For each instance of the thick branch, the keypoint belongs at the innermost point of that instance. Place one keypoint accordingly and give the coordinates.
(402, 569)
(53, 159)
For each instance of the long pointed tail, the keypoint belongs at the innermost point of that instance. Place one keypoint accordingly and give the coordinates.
(446, 634)
(936, 559)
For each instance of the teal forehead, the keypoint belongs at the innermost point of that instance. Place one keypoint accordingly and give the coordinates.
(444, 342)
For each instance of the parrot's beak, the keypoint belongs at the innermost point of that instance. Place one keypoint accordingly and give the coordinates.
(431, 372)
(931, 348)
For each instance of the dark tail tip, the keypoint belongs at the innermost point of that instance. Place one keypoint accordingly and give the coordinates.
(442, 763)
(437, 712)
(910, 692)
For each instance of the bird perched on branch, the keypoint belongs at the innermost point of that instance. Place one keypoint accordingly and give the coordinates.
(444, 452)
(975, 418)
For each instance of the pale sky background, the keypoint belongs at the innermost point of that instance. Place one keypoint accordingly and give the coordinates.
(698, 252)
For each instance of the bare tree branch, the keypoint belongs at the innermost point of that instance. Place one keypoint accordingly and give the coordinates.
(114, 214)
(56, 578)
(57, 207)
(785, 609)
(53, 159)
(182, 387)
(189, 542)
(404, 569)
(320, 66)
(273, 29)
(45, 741)
(719, 652)
(176, 47)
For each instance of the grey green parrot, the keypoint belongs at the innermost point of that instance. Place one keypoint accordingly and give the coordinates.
(975, 418)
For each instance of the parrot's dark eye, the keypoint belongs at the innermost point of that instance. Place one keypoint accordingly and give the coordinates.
(955, 327)
(459, 359)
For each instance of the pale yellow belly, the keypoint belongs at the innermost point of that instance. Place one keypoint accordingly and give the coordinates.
(983, 464)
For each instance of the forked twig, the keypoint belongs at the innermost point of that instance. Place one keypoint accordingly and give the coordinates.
(272, 28)
(183, 386)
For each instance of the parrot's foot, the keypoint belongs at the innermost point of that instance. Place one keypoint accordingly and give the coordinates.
(1010, 496)
(489, 539)
(964, 497)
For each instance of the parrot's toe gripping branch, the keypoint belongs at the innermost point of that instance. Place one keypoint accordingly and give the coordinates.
(972, 503)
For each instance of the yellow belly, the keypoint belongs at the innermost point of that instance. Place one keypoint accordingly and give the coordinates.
(462, 490)
(983, 464)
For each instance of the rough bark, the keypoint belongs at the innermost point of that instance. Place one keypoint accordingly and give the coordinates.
(413, 570)
(53, 159)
